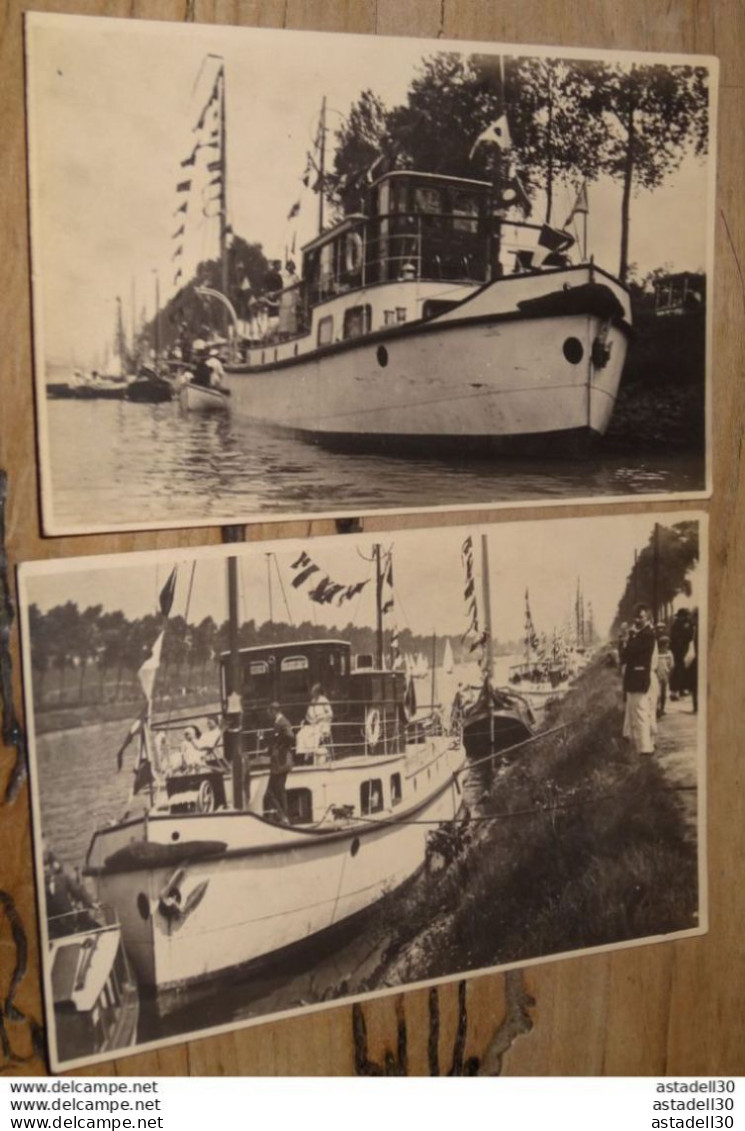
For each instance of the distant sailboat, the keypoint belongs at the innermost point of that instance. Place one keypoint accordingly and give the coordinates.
(448, 663)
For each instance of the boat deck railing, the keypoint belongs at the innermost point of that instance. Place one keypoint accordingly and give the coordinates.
(381, 728)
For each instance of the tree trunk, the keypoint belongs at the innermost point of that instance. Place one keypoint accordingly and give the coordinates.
(550, 151)
(628, 175)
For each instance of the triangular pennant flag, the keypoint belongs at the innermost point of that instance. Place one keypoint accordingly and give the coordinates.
(147, 672)
(580, 205)
(498, 133)
(167, 592)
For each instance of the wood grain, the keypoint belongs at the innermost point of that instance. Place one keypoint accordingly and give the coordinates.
(668, 1008)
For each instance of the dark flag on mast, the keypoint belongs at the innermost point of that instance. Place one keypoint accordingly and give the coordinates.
(167, 593)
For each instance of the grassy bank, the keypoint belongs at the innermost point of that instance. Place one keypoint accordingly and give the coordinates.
(581, 844)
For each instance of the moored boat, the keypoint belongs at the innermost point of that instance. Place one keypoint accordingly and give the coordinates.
(429, 321)
(211, 875)
(492, 719)
(93, 989)
(150, 387)
(202, 398)
(423, 332)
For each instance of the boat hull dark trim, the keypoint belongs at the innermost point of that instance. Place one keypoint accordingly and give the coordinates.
(570, 444)
(435, 325)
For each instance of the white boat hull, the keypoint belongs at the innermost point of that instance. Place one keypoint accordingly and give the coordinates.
(483, 378)
(269, 887)
(197, 398)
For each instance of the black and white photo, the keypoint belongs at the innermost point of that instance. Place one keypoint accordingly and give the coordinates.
(268, 778)
(281, 273)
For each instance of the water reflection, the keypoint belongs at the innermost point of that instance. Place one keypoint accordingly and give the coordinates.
(116, 463)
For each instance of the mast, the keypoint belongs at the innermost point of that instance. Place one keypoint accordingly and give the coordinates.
(223, 184)
(157, 314)
(321, 162)
(488, 648)
(233, 752)
(378, 606)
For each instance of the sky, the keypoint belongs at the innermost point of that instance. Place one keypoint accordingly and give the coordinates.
(112, 105)
(548, 557)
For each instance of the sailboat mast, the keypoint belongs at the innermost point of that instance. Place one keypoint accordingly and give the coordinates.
(488, 648)
(223, 186)
(233, 752)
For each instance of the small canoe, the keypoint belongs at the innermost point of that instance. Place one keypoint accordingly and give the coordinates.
(200, 398)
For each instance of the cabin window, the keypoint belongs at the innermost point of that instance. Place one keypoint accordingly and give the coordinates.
(357, 321)
(342, 664)
(395, 789)
(294, 676)
(434, 306)
(371, 796)
(300, 806)
(400, 313)
(389, 317)
(465, 212)
(326, 272)
(256, 679)
(325, 331)
(398, 197)
(428, 200)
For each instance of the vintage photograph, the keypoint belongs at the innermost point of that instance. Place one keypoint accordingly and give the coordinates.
(267, 778)
(282, 273)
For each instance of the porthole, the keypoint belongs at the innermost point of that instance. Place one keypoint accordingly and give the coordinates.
(574, 351)
(382, 356)
(143, 905)
(175, 835)
(354, 846)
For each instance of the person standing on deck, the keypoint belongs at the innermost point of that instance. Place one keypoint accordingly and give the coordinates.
(320, 713)
(288, 302)
(637, 653)
(281, 747)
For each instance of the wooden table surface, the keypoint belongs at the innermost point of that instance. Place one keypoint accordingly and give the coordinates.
(668, 1008)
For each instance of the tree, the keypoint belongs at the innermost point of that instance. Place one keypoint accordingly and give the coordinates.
(653, 115)
(662, 569)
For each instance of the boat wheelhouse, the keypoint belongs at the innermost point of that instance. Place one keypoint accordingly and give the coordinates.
(427, 321)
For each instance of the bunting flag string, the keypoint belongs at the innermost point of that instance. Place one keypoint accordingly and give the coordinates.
(182, 208)
(472, 611)
(323, 591)
(179, 232)
(183, 186)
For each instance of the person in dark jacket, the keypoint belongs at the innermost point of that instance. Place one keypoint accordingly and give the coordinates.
(281, 747)
(638, 654)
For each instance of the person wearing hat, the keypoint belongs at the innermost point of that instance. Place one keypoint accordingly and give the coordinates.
(638, 654)
(281, 747)
(202, 372)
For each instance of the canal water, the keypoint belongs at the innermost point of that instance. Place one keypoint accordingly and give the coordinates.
(113, 463)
